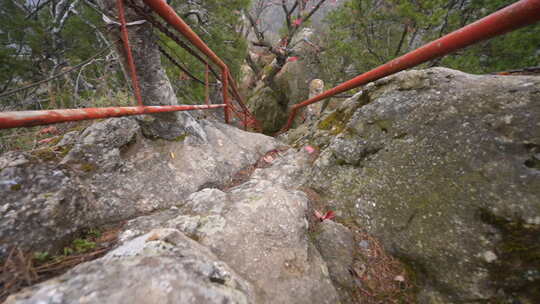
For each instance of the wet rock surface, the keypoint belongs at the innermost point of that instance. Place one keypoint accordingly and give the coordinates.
(440, 166)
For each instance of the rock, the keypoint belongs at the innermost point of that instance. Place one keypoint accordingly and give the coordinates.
(440, 166)
(287, 170)
(336, 245)
(12, 159)
(292, 82)
(113, 173)
(248, 78)
(267, 224)
(265, 106)
(69, 138)
(163, 266)
(259, 229)
(316, 87)
(99, 145)
(214, 201)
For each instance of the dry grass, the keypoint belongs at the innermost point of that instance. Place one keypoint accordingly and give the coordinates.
(381, 278)
(35, 138)
(22, 269)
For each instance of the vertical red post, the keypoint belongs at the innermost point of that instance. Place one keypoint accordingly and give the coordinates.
(127, 48)
(206, 81)
(225, 82)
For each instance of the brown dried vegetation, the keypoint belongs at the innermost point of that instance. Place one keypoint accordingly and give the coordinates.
(22, 269)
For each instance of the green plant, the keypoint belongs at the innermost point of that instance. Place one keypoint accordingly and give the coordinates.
(68, 251)
(94, 233)
(42, 256)
(83, 245)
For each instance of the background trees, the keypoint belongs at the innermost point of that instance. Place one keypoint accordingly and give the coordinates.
(43, 38)
(219, 24)
(364, 33)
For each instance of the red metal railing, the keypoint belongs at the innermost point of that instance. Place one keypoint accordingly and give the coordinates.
(520, 14)
(32, 118)
(129, 55)
(517, 15)
(169, 15)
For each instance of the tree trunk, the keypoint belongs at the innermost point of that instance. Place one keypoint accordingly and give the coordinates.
(155, 86)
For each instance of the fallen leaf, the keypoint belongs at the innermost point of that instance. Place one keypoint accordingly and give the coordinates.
(268, 158)
(46, 140)
(329, 215)
(309, 149)
(172, 155)
(48, 130)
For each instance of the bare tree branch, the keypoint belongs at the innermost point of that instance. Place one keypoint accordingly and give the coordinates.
(287, 14)
(37, 9)
(402, 39)
(306, 18)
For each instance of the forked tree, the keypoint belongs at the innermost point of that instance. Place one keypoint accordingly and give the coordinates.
(297, 13)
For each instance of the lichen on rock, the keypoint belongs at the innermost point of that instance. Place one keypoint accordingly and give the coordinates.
(420, 158)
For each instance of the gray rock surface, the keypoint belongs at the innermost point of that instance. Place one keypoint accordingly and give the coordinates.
(111, 173)
(441, 166)
(259, 228)
(252, 245)
(266, 224)
(265, 106)
(162, 266)
(336, 245)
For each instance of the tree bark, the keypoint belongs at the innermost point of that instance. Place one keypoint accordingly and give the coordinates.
(156, 88)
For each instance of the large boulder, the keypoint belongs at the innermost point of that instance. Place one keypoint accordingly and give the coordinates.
(443, 167)
(110, 172)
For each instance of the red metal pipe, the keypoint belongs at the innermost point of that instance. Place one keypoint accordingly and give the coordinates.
(225, 83)
(33, 118)
(238, 97)
(168, 14)
(517, 15)
(127, 49)
(206, 84)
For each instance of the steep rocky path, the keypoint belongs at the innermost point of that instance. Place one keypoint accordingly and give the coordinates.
(441, 166)
(249, 244)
